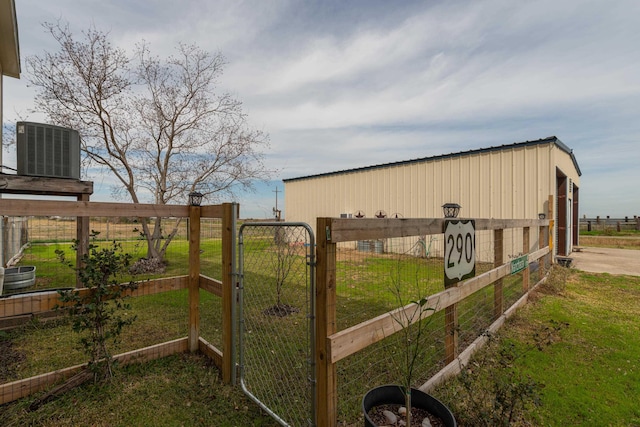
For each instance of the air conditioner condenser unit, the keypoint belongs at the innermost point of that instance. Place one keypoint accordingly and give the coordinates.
(47, 150)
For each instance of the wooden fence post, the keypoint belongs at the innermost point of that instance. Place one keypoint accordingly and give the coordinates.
(228, 284)
(543, 242)
(326, 387)
(498, 260)
(451, 333)
(194, 277)
(525, 250)
(82, 236)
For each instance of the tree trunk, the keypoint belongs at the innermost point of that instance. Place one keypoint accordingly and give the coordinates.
(152, 253)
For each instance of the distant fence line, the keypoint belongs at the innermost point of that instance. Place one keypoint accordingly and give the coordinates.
(607, 223)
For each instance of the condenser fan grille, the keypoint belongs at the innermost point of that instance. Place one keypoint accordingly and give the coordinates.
(46, 150)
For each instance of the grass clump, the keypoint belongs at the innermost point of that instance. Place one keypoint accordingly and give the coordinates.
(492, 389)
(556, 282)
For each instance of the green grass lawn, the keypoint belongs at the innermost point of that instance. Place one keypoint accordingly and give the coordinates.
(51, 273)
(180, 390)
(590, 371)
(592, 376)
(611, 232)
(363, 292)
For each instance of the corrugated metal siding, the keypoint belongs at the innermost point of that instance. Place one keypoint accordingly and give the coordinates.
(565, 164)
(513, 183)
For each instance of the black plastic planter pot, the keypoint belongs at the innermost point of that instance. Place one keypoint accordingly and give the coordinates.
(393, 394)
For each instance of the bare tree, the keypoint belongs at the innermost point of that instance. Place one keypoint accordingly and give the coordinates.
(159, 126)
(284, 259)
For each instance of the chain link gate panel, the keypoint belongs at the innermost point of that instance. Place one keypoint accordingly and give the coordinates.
(276, 319)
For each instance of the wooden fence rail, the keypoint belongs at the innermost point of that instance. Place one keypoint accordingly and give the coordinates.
(28, 386)
(333, 346)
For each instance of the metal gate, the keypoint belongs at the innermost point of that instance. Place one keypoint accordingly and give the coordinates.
(276, 319)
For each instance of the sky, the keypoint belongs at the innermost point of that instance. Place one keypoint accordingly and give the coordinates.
(346, 84)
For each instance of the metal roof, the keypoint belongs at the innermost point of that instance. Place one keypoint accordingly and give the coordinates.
(548, 140)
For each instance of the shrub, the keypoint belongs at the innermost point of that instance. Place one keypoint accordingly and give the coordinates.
(491, 390)
(97, 312)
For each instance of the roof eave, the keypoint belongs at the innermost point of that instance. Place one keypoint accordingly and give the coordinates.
(569, 151)
(10, 45)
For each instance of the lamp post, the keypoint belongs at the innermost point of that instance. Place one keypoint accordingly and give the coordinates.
(451, 210)
(195, 198)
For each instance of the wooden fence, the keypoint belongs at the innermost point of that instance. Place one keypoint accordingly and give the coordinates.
(333, 345)
(15, 309)
(607, 223)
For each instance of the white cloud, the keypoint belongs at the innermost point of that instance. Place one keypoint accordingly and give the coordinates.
(348, 84)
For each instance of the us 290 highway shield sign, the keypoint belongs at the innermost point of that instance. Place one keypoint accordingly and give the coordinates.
(459, 250)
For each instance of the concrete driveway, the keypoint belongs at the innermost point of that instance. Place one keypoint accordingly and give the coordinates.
(606, 260)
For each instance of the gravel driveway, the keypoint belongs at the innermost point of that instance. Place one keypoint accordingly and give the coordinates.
(607, 260)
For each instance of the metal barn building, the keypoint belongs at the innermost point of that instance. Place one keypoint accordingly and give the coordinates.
(514, 181)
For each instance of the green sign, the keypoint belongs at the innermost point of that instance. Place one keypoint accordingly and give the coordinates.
(519, 264)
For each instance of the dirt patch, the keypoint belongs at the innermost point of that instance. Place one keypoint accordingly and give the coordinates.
(9, 360)
(148, 266)
(607, 260)
(280, 310)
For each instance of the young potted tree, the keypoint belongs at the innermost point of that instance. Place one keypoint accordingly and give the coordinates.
(385, 405)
